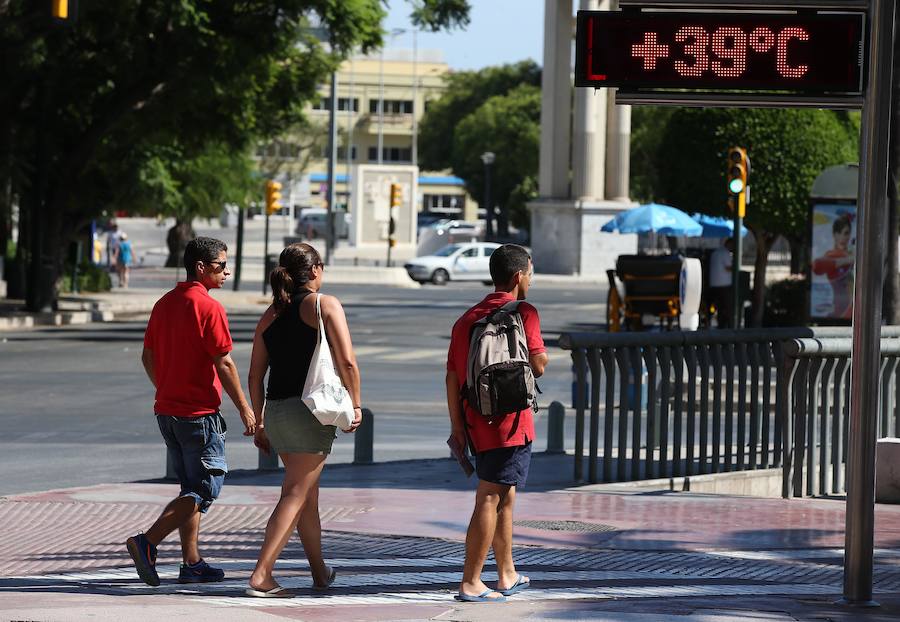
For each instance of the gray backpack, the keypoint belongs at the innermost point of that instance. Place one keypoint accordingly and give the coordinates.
(499, 379)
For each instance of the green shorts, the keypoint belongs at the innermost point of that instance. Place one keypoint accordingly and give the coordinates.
(293, 429)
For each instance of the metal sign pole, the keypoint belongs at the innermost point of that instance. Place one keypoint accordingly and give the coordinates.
(866, 352)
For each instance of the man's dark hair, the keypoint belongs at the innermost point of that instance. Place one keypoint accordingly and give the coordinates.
(201, 249)
(506, 261)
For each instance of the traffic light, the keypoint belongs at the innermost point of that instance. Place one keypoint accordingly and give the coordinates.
(396, 201)
(64, 10)
(738, 171)
(273, 195)
(396, 195)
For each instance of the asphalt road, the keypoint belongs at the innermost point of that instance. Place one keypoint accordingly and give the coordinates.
(76, 407)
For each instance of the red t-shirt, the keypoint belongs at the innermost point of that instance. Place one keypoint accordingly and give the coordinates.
(187, 329)
(502, 432)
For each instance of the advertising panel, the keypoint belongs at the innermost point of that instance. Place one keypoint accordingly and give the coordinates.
(833, 258)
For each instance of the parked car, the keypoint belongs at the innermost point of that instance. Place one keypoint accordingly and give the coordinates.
(313, 223)
(454, 262)
(443, 232)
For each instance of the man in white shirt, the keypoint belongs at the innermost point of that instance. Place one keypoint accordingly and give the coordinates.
(720, 288)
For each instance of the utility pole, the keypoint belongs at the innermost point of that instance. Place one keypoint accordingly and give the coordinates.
(330, 241)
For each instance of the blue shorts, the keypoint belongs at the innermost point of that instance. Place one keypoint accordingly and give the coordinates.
(507, 465)
(196, 450)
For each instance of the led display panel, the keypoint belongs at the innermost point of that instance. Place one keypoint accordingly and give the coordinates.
(801, 53)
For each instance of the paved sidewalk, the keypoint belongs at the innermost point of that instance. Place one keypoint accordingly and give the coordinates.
(394, 531)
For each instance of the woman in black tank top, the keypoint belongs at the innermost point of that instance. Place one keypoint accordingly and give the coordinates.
(284, 343)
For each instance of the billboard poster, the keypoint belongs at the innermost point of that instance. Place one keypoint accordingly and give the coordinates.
(833, 258)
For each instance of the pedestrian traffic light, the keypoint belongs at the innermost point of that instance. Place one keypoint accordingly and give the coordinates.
(738, 171)
(273, 195)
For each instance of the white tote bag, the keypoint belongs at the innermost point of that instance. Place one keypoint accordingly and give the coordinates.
(323, 392)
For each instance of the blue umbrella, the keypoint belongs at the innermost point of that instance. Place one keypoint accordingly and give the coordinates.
(653, 218)
(717, 227)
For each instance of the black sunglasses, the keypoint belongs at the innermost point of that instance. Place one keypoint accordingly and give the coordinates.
(221, 264)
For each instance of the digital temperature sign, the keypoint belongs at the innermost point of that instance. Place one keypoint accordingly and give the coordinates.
(802, 53)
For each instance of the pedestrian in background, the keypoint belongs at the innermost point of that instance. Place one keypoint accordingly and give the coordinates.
(124, 259)
(112, 245)
(501, 445)
(720, 288)
(187, 357)
(284, 343)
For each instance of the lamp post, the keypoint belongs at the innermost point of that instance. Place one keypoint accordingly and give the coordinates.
(395, 32)
(488, 158)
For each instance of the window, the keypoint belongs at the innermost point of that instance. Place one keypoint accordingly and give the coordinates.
(444, 204)
(488, 250)
(392, 106)
(344, 103)
(391, 154)
(470, 252)
(342, 153)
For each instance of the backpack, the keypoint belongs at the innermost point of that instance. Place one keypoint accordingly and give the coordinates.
(499, 379)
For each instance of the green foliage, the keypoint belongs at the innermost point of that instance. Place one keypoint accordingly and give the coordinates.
(496, 109)
(648, 126)
(436, 14)
(787, 149)
(109, 105)
(509, 126)
(170, 184)
(91, 278)
(786, 303)
(466, 92)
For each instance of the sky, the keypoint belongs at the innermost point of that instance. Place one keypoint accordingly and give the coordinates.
(499, 32)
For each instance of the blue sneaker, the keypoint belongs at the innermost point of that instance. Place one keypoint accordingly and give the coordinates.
(144, 556)
(201, 572)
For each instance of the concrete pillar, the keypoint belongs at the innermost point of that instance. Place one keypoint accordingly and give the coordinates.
(589, 133)
(618, 150)
(556, 100)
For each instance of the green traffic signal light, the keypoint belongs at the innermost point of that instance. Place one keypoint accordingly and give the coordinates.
(736, 185)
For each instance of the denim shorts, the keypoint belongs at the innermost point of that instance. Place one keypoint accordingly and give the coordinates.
(196, 450)
(507, 465)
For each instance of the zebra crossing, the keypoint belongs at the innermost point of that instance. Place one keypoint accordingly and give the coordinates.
(382, 570)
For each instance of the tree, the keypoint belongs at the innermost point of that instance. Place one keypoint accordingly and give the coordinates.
(465, 92)
(787, 148)
(77, 100)
(170, 184)
(509, 126)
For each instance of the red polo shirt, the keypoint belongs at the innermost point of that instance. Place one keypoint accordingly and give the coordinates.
(504, 432)
(187, 329)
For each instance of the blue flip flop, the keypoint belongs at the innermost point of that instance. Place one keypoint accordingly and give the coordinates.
(518, 586)
(481, 598)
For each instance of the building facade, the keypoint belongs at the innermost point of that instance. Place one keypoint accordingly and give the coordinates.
(380, 101)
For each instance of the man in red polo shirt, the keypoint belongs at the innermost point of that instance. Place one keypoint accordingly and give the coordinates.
(502, 446)
(187, 358)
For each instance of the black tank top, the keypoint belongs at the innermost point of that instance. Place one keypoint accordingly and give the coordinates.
(290, 342)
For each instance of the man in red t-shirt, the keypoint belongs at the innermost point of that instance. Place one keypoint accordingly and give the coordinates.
(187, 358)
(502, 446)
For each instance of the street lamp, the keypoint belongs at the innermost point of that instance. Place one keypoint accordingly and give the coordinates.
(488, 158)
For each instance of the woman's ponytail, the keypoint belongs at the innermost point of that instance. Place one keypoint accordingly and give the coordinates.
(293, 272)
(282, 288)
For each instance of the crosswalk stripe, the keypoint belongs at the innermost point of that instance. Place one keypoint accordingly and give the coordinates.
(438, 356)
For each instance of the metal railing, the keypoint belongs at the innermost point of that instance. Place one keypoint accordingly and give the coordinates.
(650, 405)
(818, 374)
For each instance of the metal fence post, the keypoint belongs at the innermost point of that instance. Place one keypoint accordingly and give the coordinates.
(364, 440)
(556, 420)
